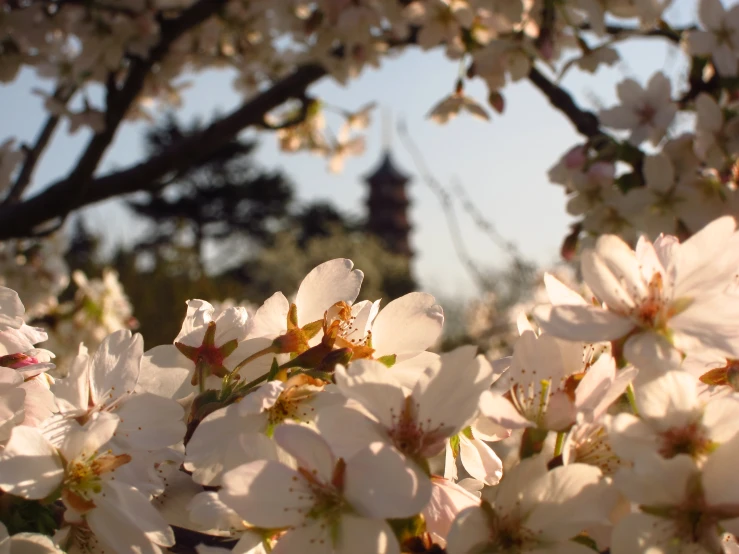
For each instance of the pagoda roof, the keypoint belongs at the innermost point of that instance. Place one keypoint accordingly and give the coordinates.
(387, 172)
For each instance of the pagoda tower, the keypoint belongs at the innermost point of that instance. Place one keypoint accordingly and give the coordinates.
(387, 206)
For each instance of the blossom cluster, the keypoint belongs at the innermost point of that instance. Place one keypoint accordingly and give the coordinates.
(324, 424)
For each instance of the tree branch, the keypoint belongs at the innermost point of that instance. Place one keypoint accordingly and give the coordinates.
(119, 100)
(585, 122)
(63, 94)
(21, 219)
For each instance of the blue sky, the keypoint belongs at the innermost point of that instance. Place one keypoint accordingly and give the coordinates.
(502, 163)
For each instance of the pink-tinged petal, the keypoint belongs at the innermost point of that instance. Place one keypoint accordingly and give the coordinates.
(358, 535)
(166, 372)
(725, 60)
(11, 309)
(720, 417)
(574, 497)
(380, 483)
(484, 429)
(448, 395)
(705, 258)
(561, 294)
(207, 449)
(631, 438)
(585, 323)
(311, 538)
(658, 88)
(308, 447)
(614, 273)
(408, 372)
(657, 481)
(672, 399)
(701, 43)
(199, 314)
(324, 286)
(348, 430)
(711, 14)
(502, 412)
(480, 461)
(73, 392)
(469, 532)
(652, 354)
(115, 367)
(720, 484)
(85, 440)
(150, 422)
(267, 494)
(618, 117)
(407, 325)
(122, 506)
(271, 318)
(29, 466)
(708, 323)
(261, 399)
(448, 499)
(645, 533)
(374, 386)
(629, 92)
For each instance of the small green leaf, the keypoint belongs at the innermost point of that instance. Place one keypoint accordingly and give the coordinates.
(388, 360)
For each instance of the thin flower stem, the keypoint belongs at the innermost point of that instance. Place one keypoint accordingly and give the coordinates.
(560, 443)
(255, 382)
(242, 363)
(632, 399)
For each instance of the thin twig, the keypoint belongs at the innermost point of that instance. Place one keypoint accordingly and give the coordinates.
(62, 94)
(446, 205)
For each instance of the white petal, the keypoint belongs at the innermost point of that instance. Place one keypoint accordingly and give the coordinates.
(559, 293)
(657, 481)
(150, 422)
(372, 385)
(480, 461)
(645, 533)
(125, 516)
(73, 392)
(720, 417)
(165, 371)
(719, 475)
(267, 494)
(308, 448)
(584, 323)
(324, 286)
(448, 499)
(407, 325)
(114, 370)
(271, 318)
(502, 412)
(84, 440)
(348, 430)
(358, 535)
(380, 483)
(29, 466)
(469, 532)
(311, 538)
(11, 309)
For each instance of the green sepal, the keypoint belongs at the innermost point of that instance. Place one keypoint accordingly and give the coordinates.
(408, 527)
(454, 445)
(587, 542)
(388, 360)
(274, 368)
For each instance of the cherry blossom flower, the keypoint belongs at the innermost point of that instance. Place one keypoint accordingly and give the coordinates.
(326, 505)
(720, 39)
(82, 475)
(451, 106)
(647, 113)
(672, 421)
(660, 299)
(534, 510)
(443, 401)
(680, 506)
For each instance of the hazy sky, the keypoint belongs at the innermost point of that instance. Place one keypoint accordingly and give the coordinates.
(503, 163)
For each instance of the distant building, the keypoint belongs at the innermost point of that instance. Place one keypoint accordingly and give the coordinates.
(387, 206)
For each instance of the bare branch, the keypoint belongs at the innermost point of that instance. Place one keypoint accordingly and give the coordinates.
(63, 94)
(585, 122)
(120, 100)
(21, 219)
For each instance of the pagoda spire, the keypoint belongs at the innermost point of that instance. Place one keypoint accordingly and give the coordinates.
(387, 201)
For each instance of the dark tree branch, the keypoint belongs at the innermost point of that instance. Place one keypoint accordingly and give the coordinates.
(119, 100)
(21, 219)
(585, 122)
(63, 94)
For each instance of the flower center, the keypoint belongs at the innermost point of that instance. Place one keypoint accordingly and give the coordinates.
(690, 439)
(507, 535)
